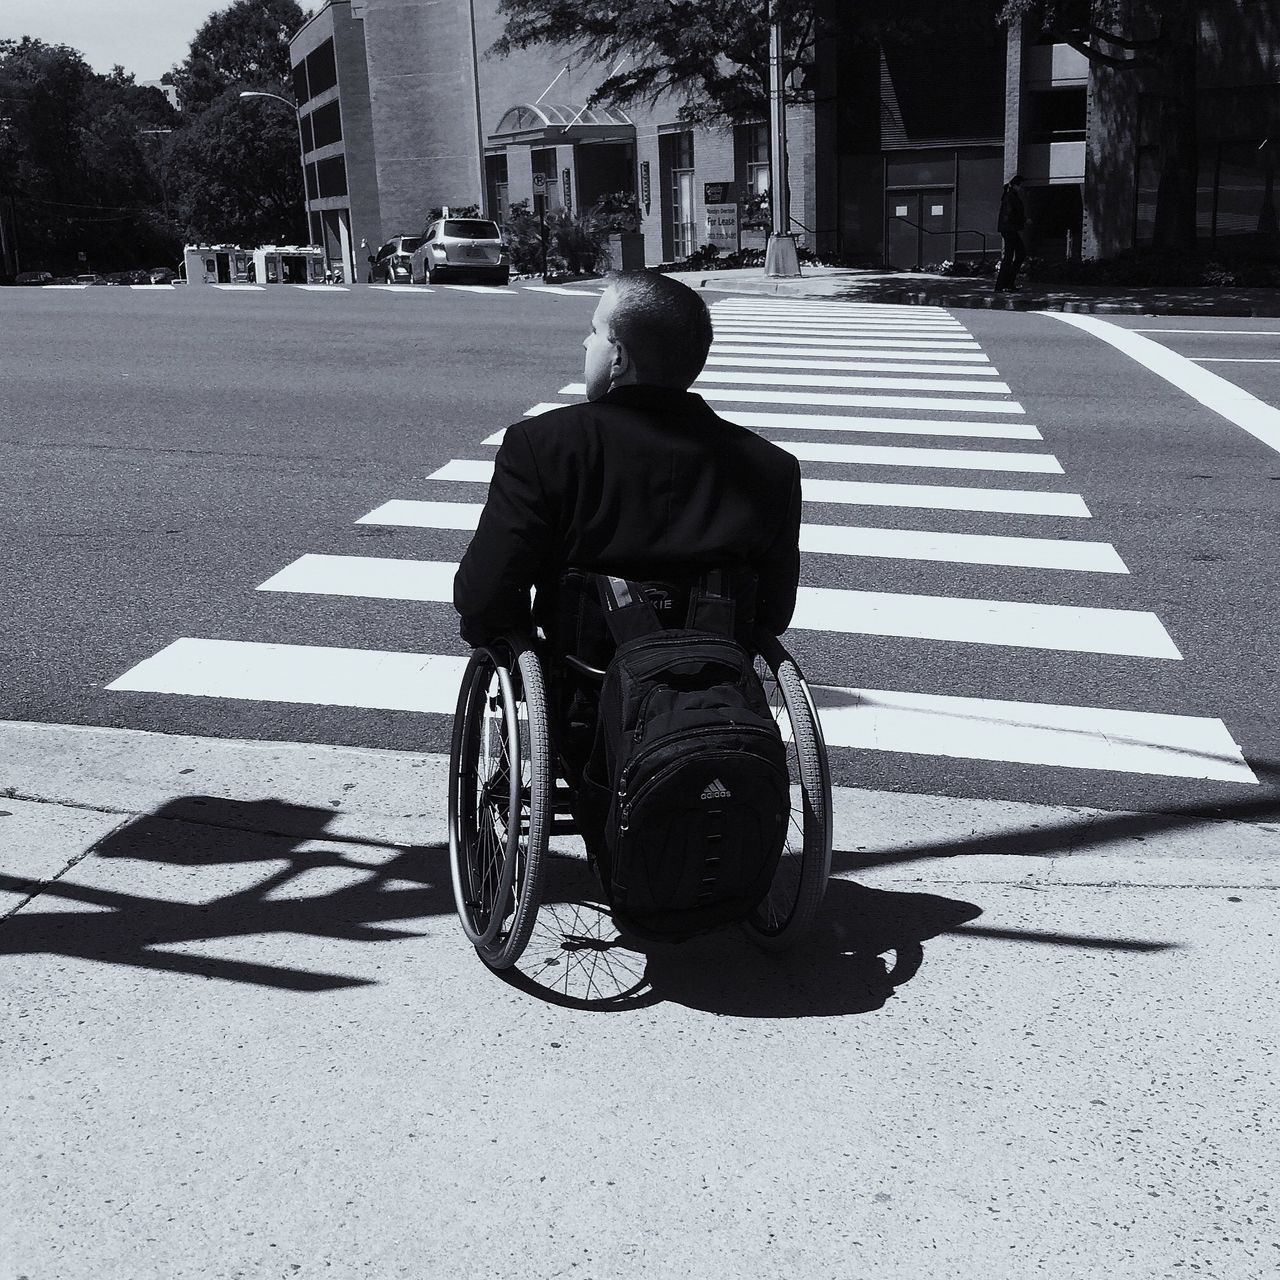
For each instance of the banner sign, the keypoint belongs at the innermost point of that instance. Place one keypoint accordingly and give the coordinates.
(723, 223)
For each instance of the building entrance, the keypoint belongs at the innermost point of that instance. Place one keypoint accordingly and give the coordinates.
(919, 227)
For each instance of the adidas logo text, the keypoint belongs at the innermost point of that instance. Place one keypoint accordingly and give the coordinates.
(715, 790)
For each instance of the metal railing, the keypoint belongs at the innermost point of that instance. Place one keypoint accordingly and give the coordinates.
(931, 231)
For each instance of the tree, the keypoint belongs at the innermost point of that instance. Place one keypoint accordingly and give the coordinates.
(237, 163)
(1155, 39)
(72, 158)
(711, 56)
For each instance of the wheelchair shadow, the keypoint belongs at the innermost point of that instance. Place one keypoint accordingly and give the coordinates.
(577, 959)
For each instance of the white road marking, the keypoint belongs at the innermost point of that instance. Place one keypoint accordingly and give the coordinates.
(1005, 623)
(247, 288)
(322, 288)
(883, 426)
(402, 288)
(780, 379)
(545, 406)
(496, 291)
(555, 288)
(764, 337)
(960, 548)
(836, 540)
(313, 674)
(1222, 359)
(1096, 738)
(882, 362)
(1262, 421)
(1099, 738)
(770, 354)
(903, 456)
(425, 515)
(153, 287)
(376, 577)
(942, 404)
(944, 497)
(852, 329)
(65, 286)
(1234, 333)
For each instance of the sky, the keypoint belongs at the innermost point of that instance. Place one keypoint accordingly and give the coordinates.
(146, 37)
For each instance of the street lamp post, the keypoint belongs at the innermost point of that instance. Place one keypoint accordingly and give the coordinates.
(780, 259)
(302, 154)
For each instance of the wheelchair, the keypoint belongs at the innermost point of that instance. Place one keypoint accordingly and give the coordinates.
(509, 790)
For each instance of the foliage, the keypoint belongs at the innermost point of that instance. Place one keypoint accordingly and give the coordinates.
(79, 162)
(455, 211)
(1151, 267)
(711, 56)
(618, 211)
(244, 46)
(238, 177)
(576, 243)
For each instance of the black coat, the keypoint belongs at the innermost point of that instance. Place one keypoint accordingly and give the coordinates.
(646, 483)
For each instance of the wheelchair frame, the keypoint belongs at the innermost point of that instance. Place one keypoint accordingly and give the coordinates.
(504, 799)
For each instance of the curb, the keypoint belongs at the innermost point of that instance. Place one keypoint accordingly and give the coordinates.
(985, 301)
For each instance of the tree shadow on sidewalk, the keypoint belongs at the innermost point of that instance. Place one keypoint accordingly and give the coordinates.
(373, 887)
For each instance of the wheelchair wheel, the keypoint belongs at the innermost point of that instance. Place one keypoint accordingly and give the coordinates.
(801, 879)
(500, 786)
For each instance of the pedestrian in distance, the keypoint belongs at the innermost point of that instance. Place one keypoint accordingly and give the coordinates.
(1011, 223)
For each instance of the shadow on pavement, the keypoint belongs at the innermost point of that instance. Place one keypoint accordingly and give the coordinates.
(321, 885)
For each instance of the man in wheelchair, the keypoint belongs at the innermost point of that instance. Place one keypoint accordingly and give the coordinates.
(643, 482)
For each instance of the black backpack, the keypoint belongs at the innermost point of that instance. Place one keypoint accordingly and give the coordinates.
(699, 794)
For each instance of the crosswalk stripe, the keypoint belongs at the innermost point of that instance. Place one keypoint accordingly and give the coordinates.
(494, 291)
(770, 355)
(894, 456)
(855, 329)
(971, 384)
(314, 674)
(961, 548)
(1098, 738)
(865, 493)
(939, 497)
(836, 539)
(153, 288)
(425, 515)
(555, 288)
(852, 363)
(402, 288)
(844, 422)
(825, 399)
(762, 338)
(246, 288)
(883, 426)
(1006, 623)
(322, 288)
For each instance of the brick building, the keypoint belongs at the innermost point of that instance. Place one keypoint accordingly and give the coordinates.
(898, 159)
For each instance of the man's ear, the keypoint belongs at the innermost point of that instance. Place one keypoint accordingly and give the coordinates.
(621, 362)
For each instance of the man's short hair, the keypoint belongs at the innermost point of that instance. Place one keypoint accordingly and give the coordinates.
(664, 325)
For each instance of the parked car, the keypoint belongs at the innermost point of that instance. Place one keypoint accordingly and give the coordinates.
(127, 277)
(462, 247)
(90, 278)
(392, 262)
(163, 275)
(33, 277)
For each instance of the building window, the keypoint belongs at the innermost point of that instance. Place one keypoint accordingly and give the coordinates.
(322, 70)
(757, 155)
(311, 182)
(308, 142)
(300, 93)
(332, 175)
(326, 124)
(1057, 115)
(683, 228)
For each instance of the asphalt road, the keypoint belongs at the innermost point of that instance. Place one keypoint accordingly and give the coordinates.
(169, 451)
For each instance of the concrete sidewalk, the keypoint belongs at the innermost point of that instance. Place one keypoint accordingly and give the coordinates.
(924, 289)
(244, 1037)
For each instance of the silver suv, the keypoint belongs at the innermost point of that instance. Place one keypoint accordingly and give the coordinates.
(462, 247)
(391, 262)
